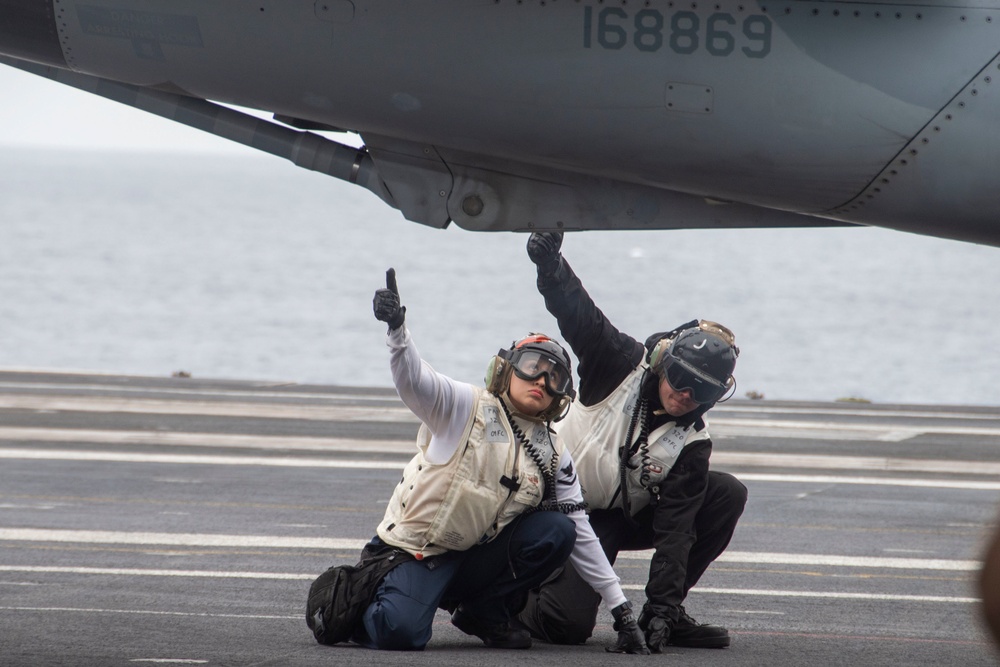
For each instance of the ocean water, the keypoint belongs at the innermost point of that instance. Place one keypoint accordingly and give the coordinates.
(250, 268)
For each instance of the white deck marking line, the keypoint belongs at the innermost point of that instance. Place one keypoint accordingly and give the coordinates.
(153, 612)
(395, 413)
(220, 440)
(874, 562)
(304, 462)
(936, 413)
(307, 577)
(872, 463)
(296, 390)
(340, 544)
(129, 457)
(406, 447)
(888, 597)
(177, 539)
(264, 391)
(758, 425)
(878, 481)
(117, 571)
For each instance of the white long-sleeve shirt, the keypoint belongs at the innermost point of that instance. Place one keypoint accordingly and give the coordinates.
(445, 406)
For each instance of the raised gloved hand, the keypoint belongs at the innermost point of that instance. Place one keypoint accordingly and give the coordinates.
(630, 639)
(656, 629)
(543, 250)
(386, 302)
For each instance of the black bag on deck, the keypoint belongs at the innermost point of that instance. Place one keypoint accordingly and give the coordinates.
(339, 596)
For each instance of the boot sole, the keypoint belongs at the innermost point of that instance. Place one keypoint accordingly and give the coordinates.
(714, 642)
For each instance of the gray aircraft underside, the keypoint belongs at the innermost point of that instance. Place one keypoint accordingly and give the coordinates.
(574, 114)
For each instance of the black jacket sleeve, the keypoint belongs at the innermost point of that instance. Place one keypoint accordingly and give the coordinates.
(606, 357)
(605, 354)
(682, 495)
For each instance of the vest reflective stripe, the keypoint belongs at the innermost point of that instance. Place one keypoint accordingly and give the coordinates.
(594, 434)
(460, 503)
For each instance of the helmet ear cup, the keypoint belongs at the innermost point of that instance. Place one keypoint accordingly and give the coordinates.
(655, 357)
(495, 371)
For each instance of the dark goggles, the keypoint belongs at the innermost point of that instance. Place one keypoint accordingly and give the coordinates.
(683, 376)
(532, 364)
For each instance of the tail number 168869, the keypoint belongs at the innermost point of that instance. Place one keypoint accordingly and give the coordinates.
(721, 34)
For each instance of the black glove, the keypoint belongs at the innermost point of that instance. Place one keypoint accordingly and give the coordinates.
(630, 638)
(543, 250)
(386, 302)
(657, 630)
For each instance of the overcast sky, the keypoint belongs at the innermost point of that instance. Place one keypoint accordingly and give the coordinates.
(38, 112)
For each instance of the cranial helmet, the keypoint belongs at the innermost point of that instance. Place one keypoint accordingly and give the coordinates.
(701, 357)
(532, 357)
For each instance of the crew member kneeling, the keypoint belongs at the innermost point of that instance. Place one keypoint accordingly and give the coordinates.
(490, 505)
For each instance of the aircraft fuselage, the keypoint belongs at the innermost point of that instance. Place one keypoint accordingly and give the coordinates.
(871, 113)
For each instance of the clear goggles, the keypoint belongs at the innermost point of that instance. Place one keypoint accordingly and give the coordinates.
(532, 364)
(683, 376)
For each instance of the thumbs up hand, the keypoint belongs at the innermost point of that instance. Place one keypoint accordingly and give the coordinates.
(386, 302)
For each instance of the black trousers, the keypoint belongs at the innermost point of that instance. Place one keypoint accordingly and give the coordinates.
(563, 610)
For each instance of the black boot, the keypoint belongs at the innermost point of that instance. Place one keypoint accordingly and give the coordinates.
(688, 632)
(494, 635)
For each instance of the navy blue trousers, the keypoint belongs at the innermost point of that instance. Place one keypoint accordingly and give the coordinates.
(489, 581)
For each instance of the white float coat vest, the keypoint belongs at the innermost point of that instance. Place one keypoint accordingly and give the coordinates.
(595, 434)
(460, 503)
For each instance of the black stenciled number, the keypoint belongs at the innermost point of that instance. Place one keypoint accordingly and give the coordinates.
(761, 34)
(611, 35)
(719, 42)
(612, 32)
(684, 32)
(648, 30)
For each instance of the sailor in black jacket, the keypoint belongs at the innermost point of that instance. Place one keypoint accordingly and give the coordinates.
(653, 396)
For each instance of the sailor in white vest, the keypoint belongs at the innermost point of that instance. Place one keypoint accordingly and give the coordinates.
(490, 505)
(642, 448)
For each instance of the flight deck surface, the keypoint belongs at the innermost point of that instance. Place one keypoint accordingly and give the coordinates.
(180, 521)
